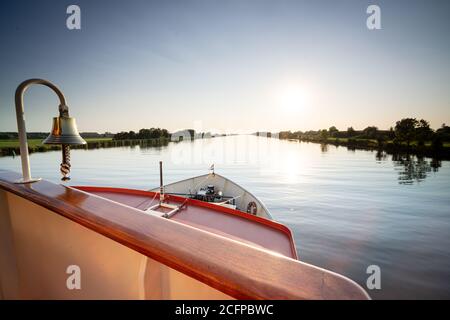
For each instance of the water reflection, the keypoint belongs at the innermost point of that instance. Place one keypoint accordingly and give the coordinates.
(324, 147)
(381, 155)
(413, 168)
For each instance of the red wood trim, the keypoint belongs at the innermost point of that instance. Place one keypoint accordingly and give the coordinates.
(198, 203)
(238, 270)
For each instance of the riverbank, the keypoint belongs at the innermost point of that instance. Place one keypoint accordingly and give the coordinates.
(390, 147)
(11, 147)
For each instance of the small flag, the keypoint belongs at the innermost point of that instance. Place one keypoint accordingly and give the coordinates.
(212, 167)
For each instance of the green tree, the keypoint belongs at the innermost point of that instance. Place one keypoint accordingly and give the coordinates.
(443, 132)
(324, 134)
(405, 130)
(370, 132)
(333, 131)
(165, 133)
(423, 132)
(350, 132)
(144, 134)
(285, 134)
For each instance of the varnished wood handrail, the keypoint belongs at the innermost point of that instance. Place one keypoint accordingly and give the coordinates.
(237, 269)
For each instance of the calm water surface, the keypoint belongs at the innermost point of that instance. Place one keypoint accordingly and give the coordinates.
(347, 209)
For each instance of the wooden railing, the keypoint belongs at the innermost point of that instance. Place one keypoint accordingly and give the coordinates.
(239, 270)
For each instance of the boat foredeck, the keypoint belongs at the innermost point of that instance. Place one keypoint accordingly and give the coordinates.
(213, 218)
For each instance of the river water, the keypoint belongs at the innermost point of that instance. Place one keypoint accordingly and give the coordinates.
(347, 209)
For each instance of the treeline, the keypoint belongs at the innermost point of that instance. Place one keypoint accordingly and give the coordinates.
(30, 135)
(408, 132)
(158, 133)
(143, 134)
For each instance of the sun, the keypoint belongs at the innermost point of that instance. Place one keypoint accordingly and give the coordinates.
(292, 99)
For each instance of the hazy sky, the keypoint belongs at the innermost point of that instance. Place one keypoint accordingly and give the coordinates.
(227, 65)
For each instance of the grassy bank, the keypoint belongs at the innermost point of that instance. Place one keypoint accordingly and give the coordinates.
(36, 143)
(11, 147)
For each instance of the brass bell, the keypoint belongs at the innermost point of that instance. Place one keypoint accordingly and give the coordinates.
(64, 132)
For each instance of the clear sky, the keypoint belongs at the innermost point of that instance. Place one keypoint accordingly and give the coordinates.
(233, 66)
